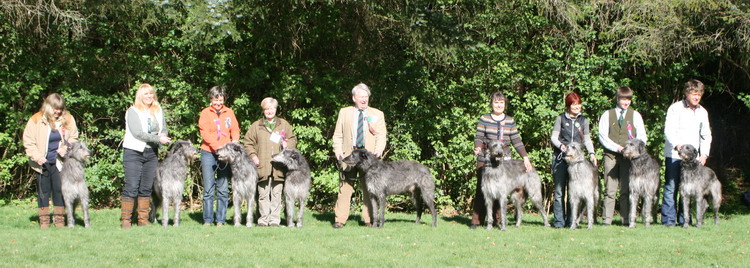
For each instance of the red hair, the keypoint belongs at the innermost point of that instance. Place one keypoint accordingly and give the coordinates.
(572, 98)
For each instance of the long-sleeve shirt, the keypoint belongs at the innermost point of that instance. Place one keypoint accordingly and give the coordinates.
(504, 129)
(218, 128)
(609, 144)
(568, 129)
(685, 125)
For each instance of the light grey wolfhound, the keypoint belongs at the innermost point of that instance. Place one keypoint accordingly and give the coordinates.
(697, 181)
(501, 177)
(170, 181)
(643, 180)
(244, 180)
(296, 182)
(583, 184)
(73, 181)
(383, 178)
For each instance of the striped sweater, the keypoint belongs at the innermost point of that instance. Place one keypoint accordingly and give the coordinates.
(505, 130)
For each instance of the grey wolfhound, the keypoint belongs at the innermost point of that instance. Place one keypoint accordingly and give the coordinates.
(644, 180)
(697, 181)
(170, 181)
(583, 184)
(73, 181)
(501, 177)
(296, 183)
(383, 178)
(244, 179)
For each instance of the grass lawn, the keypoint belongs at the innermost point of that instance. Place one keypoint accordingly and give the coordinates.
(399, 244)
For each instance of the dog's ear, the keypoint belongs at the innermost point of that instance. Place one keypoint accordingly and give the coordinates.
(363, 154)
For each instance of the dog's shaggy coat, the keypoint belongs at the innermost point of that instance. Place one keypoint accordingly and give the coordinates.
(697, 181)
(583, 184)
(644, 180)
(73, 181)
(297, 182)
(244, 180)
(501, 177)
(170, 181)
(383, 178)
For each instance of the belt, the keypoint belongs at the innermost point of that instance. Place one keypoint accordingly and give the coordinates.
(355, 147)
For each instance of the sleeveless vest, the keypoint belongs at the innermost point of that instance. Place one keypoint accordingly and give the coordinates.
(620, 134)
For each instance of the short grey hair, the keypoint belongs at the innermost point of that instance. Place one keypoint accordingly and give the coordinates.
(361, 86)
(217, 91)
(693, 85)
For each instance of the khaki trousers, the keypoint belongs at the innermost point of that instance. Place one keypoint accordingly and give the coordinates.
(269, 202)
(343, 203)
(616, 171)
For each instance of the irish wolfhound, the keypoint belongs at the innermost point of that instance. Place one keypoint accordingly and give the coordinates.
(296, 183)
(170, 181)
(244, 179)
(697, 181)
(644, 180)
(583, 184)
(73, 181)
(501, 177)
(382, 179)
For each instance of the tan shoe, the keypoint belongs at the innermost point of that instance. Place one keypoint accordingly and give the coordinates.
(44, 217)
(127, 212)
(144, 207)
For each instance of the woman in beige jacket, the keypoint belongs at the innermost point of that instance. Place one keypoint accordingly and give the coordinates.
(45, 139)
(264, 138)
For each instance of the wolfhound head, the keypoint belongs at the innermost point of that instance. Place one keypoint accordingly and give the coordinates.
(574, 153)
(495, 150)
(78, 151)
(230, 152)
(289, 159)
(184, 149)
(688, 153)
(634, 148)
(361, 159)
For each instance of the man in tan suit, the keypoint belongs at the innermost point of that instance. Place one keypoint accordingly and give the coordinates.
(358, 127)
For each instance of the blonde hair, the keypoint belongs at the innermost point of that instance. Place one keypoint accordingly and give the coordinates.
(138, 103)
(268, 102)
(51, 102)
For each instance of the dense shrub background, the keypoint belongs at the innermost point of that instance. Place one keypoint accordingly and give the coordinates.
(431, 66)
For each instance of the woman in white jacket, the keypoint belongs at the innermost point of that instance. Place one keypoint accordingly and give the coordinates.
(145, 130)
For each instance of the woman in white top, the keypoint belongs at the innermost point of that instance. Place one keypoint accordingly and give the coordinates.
(145, 130)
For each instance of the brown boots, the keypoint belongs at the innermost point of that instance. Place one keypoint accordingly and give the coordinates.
(127, 212)
(44, 217)
(144, 206)
(59, 216)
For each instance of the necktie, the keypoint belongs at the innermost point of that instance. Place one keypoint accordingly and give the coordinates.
(360, 129)
(622, 117)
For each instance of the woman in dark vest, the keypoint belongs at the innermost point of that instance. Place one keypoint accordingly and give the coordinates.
(570, 126)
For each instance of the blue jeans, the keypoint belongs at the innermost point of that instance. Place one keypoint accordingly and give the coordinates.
(559, 206)
(671, 211)
(215, 182)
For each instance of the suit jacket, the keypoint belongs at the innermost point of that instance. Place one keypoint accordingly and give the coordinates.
(343, 139)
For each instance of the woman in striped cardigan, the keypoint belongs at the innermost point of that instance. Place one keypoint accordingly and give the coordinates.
(495, 126)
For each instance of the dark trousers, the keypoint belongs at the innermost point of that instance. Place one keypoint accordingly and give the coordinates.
(479, 214)
(140, 171)
(560, 204)
(48, 184)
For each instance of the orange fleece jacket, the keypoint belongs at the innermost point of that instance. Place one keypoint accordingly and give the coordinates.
(216, 135)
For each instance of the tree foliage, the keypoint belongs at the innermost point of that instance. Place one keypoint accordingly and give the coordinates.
(431, 65)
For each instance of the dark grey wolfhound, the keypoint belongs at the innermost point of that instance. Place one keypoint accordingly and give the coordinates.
(296, 183)
(244, 180)
(383, 178)
(583, 184)
(643, 180)
(73, 181)
(170, 181)
(697, 181)
(501, 177)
